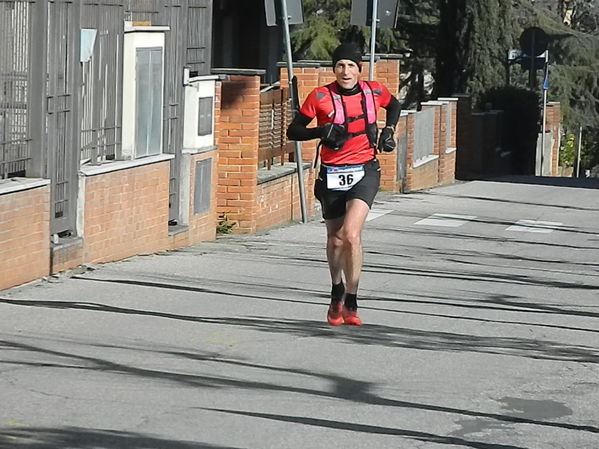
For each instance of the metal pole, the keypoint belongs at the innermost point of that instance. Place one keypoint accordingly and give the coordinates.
(298, 147)
(375, 7)
(545, 91)
(578, 151)
(543, 130)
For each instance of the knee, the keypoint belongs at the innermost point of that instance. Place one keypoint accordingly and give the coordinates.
(351, 239)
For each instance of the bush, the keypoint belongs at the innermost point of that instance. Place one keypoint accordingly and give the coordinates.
(567, 152)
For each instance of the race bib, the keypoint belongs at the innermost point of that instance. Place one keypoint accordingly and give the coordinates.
(344, 178)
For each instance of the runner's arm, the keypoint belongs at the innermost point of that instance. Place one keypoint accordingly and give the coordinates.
(298, 129)
(393, 112)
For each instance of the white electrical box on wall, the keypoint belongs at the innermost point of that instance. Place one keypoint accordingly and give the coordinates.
(198, 132)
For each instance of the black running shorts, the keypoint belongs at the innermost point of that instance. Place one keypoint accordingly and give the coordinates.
(333, 201)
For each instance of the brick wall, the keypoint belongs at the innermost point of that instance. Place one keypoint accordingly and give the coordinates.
(237, 139)
(126, 212)
(279, 200)
(252, 205)
(24, 235)
(424, 176)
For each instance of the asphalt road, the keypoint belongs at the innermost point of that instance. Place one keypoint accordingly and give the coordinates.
(481, 310)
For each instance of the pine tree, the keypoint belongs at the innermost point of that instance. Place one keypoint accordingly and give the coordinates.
(474, 37)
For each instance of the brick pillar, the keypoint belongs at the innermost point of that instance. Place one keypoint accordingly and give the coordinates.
(386, 72)
(553, 125)
(448, 122)
(410, 122)
(238, 134)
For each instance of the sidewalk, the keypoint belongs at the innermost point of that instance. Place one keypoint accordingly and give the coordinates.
(473, 337)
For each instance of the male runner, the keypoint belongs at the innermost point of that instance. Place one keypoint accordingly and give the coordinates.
(349, 175)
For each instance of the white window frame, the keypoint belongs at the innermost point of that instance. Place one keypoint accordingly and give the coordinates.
(150, 37)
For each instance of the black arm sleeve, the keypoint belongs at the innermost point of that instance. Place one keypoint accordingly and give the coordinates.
(393, 112)
(298, 129)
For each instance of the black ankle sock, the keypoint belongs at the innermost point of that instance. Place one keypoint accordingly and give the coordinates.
(351, 301)
(337, 292)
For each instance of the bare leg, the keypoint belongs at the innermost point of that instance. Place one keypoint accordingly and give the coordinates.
(351, 235)
(334, 249)
(344, 245)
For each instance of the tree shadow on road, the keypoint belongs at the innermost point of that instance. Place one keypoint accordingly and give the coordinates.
(74, 437)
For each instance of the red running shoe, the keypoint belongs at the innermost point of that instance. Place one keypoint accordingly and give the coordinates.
(334, 314)
(350, 317)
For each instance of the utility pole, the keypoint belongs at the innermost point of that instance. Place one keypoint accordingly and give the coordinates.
(578, 151)
(299, 162)
(275, 12)
(545, 92)
(375, 7)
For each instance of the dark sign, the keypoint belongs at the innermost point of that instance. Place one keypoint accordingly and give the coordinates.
(273, 12)
(534, 41)
(361, 13)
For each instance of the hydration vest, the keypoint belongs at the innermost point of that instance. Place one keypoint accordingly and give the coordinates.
(368, 107)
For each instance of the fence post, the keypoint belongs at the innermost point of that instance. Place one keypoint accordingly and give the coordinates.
(36, 86)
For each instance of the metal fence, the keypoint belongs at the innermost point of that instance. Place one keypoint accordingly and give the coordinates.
(61, 94)
(275, 116)
(101, 80)
(15, 45)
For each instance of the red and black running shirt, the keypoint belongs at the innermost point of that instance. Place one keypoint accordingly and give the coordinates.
(356, 150)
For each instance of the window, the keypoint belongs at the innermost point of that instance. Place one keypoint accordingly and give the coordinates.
(205, 116)
(148, 98)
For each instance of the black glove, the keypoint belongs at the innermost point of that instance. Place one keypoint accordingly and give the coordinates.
(387, 139)
(333, 136)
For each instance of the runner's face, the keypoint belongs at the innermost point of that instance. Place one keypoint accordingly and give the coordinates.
(347, 73)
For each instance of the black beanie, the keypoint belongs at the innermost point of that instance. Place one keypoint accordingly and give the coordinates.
(347, 51)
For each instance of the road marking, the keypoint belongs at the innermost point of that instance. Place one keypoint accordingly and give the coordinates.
(446, 220)
(376, 213)
(534, 226)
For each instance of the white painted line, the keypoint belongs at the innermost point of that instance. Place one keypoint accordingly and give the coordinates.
(534, 226)
(376, 213)
(446, 220)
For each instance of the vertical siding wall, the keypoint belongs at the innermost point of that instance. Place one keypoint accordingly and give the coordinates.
(24, 234)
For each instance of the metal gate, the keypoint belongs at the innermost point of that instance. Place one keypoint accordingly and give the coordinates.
(15, 52)
(62, 112)
(173, 137)
(101, 80)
